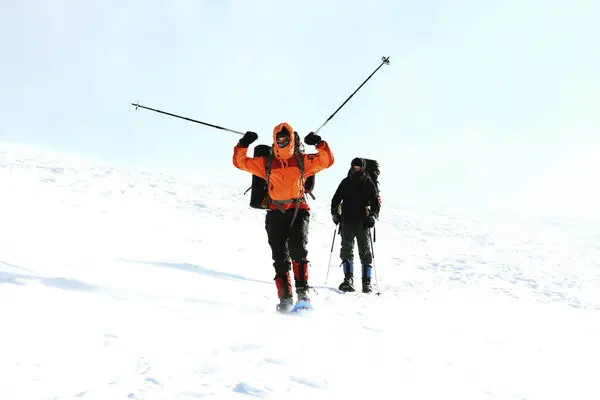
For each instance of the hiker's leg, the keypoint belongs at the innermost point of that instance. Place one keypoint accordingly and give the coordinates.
(366, 257)
(348, 233)
(298, 251)
(277, 231)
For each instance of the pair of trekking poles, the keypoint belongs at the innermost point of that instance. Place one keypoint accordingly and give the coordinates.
(337, 230)
(384, 61)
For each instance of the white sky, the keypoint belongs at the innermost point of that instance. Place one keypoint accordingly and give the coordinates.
(485, 104)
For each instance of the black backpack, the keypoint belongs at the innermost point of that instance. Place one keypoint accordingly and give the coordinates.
(259, 193)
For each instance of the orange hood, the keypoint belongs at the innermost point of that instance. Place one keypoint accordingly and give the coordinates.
(283, 152)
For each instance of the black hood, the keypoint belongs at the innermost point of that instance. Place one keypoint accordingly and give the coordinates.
(357, 162)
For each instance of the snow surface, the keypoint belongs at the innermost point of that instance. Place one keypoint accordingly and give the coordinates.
(129, 285)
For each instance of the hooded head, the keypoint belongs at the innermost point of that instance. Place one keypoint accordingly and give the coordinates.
(357, 167)
(358, 162)
(283, 141)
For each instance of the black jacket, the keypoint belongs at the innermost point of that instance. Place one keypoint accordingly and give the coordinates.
(355, 193)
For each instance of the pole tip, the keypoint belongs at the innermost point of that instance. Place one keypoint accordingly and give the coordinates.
(136, 104)
(386, 60)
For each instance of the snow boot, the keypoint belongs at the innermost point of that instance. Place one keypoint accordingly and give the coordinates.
(302, 292)
(285, 305)
(348, 284)
(366, 285)
(366, 279)
(284, 292)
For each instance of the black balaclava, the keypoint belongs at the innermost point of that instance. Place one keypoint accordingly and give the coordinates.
(357, 162)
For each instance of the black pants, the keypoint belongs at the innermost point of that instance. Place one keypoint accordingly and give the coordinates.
(351, 230)
(288, 243)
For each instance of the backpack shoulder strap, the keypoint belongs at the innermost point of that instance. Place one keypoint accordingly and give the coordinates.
(268, 162)
(300, 163)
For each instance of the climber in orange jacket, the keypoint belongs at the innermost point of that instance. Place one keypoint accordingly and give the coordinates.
(288, 213)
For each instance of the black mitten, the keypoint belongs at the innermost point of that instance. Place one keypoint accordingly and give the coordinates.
(336, 218)
(369, 221)
(248, 139)
(312, 139)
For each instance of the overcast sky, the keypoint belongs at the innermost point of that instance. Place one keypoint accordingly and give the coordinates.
(484, 104)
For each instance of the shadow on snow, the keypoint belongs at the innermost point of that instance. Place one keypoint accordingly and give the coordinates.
(213, 273)
(53, 282)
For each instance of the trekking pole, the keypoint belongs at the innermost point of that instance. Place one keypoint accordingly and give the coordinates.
(378, 293)
(330, 255)
(384, 60)
(187, 119)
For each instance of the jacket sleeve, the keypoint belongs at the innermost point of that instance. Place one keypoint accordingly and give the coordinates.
(337, 198)
(374, 199)
(314, 163)
(255, 166)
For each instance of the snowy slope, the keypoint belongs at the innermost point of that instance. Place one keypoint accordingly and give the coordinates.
(117, 285)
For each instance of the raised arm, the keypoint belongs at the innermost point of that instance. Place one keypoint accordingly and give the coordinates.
(255, 166)
(314, 163)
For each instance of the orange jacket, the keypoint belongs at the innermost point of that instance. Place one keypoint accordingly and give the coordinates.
(285, 181)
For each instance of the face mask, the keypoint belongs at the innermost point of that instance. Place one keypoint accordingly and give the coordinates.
(283, 139)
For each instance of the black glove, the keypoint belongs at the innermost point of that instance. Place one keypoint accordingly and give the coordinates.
(337, 218)
(312, 139)
(369, 221)
(248, 139)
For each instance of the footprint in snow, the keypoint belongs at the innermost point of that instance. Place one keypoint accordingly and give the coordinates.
(245, 388)
(244, 347)
(307, 382)
(368, 328)
(277, 361)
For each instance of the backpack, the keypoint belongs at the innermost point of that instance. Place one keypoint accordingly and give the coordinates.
(372, 171)
(259, 195)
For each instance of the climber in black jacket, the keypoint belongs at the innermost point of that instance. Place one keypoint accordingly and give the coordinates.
(355, 205)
